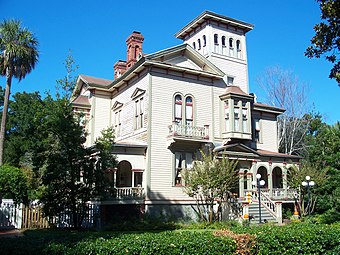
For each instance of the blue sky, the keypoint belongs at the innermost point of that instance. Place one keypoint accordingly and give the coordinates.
(96, 31)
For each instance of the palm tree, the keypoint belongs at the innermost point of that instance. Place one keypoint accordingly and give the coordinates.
(18, 56)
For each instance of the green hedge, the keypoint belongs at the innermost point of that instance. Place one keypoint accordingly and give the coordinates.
(293, 239)
(297, 238)
(167, 242)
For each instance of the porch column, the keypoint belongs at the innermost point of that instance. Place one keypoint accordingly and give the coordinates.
(278, 210)
(249, 180)
(270, 179)
(114, 177)
(252, 174)
(241, 183)
(284, 180)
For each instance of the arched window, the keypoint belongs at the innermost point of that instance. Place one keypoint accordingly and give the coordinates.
(136, 52)
(199, 43)
(178, 109)
(238, 48)
(188, 111)
(215, 38)
(194, 45)
(223, 41)
(231, 47)
(204, 41)
(230, 42)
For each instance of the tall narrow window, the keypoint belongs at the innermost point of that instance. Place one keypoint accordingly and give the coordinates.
(226, 115)
(183, 161)
(178, 109)
(188, 111)
(223, 41)
(117, 123)
(244, 120)
(204, 41)
(199, 43)
(215, 38)
(231, 47)
(257, 130)
(238, 48)
(139, 113)
(236, 116)
(194, 45)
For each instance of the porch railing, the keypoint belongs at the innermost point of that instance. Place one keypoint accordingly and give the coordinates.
(128, 193)
(189, 131)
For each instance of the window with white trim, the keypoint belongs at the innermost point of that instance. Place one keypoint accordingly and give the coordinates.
(244, 120)
(236, 116)
(230, 80)
(188, 111)
(257, 131)
(226, 115)
(238, 48)
(139, 113)
(184, 110)
(183, 162)
(199, 43)
(117, 122)
(178, 109)
(204, 41)
(194, 45)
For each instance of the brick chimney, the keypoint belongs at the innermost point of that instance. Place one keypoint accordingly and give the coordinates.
(119, 68)
(134, 47)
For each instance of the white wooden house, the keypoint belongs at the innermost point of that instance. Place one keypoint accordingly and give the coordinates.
(168, 105)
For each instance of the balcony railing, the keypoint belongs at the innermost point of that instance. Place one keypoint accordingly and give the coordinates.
(128, 193)
(189, 131)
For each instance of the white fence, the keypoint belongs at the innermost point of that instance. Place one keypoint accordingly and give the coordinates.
(19, 216)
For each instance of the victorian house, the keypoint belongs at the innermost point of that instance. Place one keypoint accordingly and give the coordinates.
(167, 106)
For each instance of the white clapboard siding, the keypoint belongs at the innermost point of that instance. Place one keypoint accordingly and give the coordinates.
(269, 135)
(164, 87)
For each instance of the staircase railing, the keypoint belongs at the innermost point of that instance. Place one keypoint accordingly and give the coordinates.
(266, 202)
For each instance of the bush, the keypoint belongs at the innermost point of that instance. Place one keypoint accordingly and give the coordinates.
(167, 242)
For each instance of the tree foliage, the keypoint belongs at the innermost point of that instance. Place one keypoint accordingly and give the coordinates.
(14, 183)
(18, 56)
(210, 179)
(326, 40)
(66, 85)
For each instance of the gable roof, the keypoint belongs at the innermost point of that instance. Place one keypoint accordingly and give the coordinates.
(81, 101)
(163, 57)
(208, 15)
(159, 59)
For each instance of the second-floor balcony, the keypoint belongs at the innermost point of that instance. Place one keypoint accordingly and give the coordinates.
(188, 131)
(127, 193)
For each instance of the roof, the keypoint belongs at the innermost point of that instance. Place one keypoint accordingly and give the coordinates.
(236, 90)
(268, 108)
(90, 80)
(81, 101)
(208, 15)
(277, 154)
(243, 150)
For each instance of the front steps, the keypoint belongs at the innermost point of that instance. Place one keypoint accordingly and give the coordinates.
(254, 216)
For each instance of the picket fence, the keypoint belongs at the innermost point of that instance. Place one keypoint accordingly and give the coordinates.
(20, 216)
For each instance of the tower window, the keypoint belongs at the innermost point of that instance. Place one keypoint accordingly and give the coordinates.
(215, 38)
(230, 42)
(194, 45)
(204, 41)
(199, 43)
(223, 41)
